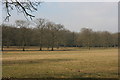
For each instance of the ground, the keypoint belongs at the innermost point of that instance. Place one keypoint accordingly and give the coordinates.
(74, 63)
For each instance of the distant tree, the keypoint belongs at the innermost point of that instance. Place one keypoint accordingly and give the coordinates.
(7, 35)
(64, 37)
(41, 24)
(68, 38)
(47, 37)
(115, 39)
(23, 32)
(52, 29)
(106, 39)
(1, 38)
(86, 37)
(79, 40)
(50, 35)
(58, 30)
(96, 39)
(54, 34)
(118, 39)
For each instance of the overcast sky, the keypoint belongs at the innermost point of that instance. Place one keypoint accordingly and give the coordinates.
(99, 16)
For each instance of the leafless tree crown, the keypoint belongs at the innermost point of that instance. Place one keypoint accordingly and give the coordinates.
(22, 7)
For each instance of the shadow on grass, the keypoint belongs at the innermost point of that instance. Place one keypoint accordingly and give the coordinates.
(36, 61)
(41, 50)
(60, 78)
(65, 49)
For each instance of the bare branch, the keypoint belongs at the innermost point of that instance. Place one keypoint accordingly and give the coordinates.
(22, 7)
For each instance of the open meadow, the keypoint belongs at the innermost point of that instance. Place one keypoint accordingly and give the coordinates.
(74, 63)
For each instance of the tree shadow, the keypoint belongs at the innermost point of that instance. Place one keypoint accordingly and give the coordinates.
(39, 50)
(36, 61)
(52, 78)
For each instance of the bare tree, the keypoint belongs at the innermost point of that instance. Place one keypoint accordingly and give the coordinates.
(41, 24)
(106, 39)
(51, 35)
(22, 25)
(1, 46)
(86, 35)
(115, 39)
(51, 27)
(58, 30)
(53, 31)
(7, 35)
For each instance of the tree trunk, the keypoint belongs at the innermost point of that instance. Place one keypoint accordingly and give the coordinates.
(2, 48)
(8, 43)
(57, 47)
(23, 48)
(40, 44)
(89, 48)
(40, 48)
(7, 46)
(47, 48)
(52, 49)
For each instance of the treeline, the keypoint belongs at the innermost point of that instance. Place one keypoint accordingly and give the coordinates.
(50, 35)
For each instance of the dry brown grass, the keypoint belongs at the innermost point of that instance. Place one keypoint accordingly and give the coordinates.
(68, 64)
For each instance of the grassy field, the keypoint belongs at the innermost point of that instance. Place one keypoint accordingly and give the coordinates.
(76, 63)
